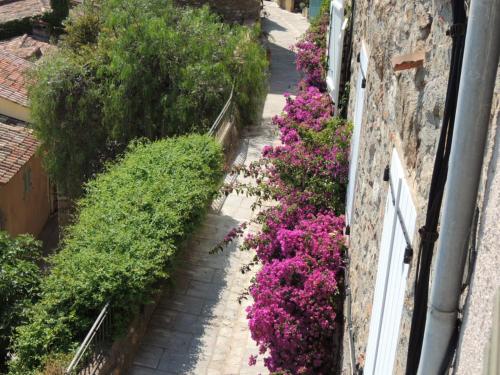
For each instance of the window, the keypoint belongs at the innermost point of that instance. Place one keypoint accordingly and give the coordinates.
(27, 181)
(356, 133)
(392, 273)
(335, 43)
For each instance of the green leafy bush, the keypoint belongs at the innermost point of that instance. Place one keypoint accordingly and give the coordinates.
(139, 68)
(129, 226)
(19, 284)
(66, 111)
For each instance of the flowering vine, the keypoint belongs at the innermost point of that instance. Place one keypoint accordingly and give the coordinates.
(293, 316)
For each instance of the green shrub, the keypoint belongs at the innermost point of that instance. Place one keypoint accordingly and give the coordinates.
(19, 284)
(129, 226)
(139, 68)
(66, 112)
(249, 72)
(82, 27)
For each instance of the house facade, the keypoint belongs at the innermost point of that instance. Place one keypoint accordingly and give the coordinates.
(13, 86)
(401, 56)
(26, 199)
(24, 185)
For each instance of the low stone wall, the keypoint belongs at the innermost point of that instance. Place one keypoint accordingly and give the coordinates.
(236, 11)
(229, 136)
(124, 350)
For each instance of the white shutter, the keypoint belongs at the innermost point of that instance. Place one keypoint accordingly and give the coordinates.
(356, 133)
(392, 273)
(335, 43)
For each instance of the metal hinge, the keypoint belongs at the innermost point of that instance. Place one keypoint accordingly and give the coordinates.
(457, 29)
(408, 254)
(387, 173)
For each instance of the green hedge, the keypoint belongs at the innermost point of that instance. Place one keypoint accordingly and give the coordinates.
(19, 284)
(129, 226)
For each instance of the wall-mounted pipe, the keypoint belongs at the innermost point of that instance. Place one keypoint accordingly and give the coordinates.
(477, 83)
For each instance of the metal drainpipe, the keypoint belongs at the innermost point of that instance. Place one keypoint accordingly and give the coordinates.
(471, 127)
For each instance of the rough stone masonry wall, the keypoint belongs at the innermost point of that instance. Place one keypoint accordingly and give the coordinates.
(402, 110)
(239, 11)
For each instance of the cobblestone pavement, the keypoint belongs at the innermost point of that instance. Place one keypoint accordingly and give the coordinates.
(201, 328)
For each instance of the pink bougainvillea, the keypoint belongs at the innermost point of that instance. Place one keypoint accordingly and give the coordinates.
(311, 53)
(310, 108)
(296, 292)
(293, 315)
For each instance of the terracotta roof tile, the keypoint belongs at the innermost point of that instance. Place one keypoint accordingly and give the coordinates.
(11, 10)
(13, 82)
(17, 146)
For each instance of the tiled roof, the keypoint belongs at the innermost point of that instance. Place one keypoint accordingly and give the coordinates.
(17, 146)
(11, 10)
(13, 81)
(26, 47)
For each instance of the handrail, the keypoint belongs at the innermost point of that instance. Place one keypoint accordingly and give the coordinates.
(88, 340)
(219, 118)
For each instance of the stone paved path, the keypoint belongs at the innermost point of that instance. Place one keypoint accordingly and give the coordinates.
(201, 328)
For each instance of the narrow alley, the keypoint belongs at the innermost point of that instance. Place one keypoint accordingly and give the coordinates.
(201, 328)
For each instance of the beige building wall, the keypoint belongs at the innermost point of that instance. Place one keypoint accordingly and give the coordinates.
(25, 210)
(14, 110)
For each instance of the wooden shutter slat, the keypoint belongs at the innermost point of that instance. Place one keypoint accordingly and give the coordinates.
(356, 134)
(392, 274)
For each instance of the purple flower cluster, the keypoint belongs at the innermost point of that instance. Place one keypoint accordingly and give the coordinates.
(311, 53)
(311, 164)
(295, 294)
(311, 109)
(293, 316)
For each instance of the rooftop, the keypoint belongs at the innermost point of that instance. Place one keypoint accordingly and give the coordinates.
(11, 10)
(17, 146)
(26, 47)
(13, 82)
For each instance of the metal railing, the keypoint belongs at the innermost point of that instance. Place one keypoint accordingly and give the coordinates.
(222, 115)
(92, 353)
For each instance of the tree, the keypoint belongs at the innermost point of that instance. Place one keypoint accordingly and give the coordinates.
(140, 68)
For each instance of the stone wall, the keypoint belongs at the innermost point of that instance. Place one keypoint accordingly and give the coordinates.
(239, 11)
(402, 110)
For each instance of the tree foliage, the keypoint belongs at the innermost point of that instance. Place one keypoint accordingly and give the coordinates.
(138, 68)
(129, 226)
(19, 284)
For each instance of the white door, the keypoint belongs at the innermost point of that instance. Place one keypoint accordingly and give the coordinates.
(392, 273)
(356, 133)
(335, 43)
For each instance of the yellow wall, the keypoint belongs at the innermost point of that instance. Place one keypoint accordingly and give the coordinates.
(25, 212)
(14, 110)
